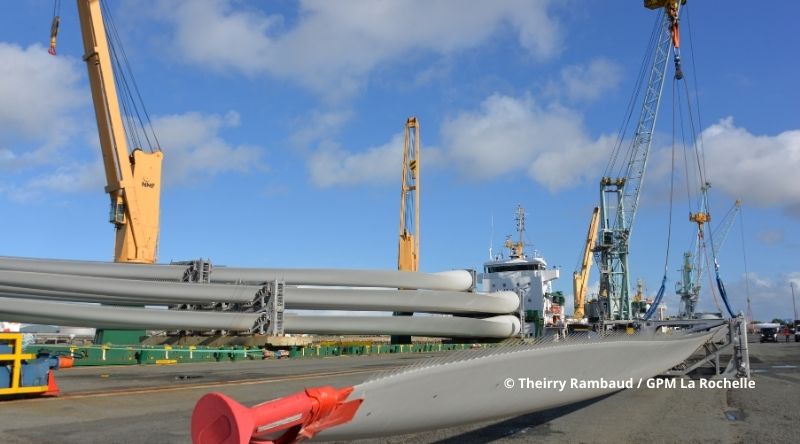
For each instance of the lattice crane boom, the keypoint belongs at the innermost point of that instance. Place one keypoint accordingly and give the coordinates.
(719, 234)
(692, 274)
(408, 247)
(408, 251)
(619, 197)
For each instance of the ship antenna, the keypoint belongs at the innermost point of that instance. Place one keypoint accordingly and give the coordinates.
(491, 235)
(520, 229)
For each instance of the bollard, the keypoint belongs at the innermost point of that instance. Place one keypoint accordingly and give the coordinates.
(219, 419)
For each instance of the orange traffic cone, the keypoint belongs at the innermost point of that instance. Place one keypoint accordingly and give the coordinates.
(52, 387)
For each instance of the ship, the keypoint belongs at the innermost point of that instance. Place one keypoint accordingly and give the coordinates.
(541, 310)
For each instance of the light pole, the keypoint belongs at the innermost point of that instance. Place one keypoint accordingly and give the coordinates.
(794, 304)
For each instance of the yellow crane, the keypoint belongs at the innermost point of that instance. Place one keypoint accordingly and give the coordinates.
(580, 278)
(408, 249)
(408, 246)
(133, 179)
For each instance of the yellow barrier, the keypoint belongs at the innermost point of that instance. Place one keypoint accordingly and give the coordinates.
(14, 359)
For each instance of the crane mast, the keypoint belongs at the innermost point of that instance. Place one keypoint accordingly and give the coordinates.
(619, 197)
(408, 250)
(408, 246)
(693, 269)
(517, 248)
(580, 279)
(133, 180)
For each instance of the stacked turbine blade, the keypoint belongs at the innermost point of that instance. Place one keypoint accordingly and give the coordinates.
(68, 293)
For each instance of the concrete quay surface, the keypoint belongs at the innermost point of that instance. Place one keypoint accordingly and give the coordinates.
(146, 404)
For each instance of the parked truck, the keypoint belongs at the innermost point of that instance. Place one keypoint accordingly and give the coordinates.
(768, 332)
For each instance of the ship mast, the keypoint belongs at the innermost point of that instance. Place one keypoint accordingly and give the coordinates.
(518, 247)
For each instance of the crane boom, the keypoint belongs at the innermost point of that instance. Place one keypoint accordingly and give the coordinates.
(133, 180)
(580, 279)
(408, 250)
(719, 234)
(692, 274)
(408, 247)
(619, 197)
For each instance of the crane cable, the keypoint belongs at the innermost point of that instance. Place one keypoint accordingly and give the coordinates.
(139, 125)
(697, 243)
(746, 274)
(701, 166)
(56, 21)
(728, 216)
(660, 295)
(700, 163)
(640, 80)
(701, 146)
(711, 280)
(720, 285)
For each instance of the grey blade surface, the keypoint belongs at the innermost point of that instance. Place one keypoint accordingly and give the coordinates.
(430, 301)
(444, 394)
(150, 291)
(455, 280)
(88, 315)
(434, 326)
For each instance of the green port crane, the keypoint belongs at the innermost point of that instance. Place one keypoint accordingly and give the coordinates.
(619, 196)
(694, 266)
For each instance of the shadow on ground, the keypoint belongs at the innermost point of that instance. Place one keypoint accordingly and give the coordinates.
(532, 424)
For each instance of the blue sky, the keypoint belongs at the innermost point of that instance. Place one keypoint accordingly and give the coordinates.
(281, 126)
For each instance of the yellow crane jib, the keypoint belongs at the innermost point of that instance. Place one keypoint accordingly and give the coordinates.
(133, 179)
(408, 250)
(580, 279)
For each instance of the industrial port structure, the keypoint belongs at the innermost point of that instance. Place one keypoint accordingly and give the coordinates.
(254, 300)
(207, 299)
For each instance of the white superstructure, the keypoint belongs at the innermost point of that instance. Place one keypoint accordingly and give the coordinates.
(528, 276)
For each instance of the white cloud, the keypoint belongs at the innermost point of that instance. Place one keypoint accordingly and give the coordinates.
(37, 89)
(759, 169)
(508, 134)
(504, 136)
(193, 146)
(334, 45)
(39, 95)
(330, 165)
(71, 178)
(212, 33)
(589, 82)
(792, 210)
(770, 296)
(319, 125)
(46, 121)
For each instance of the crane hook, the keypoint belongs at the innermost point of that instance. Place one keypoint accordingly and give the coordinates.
(54, 34)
